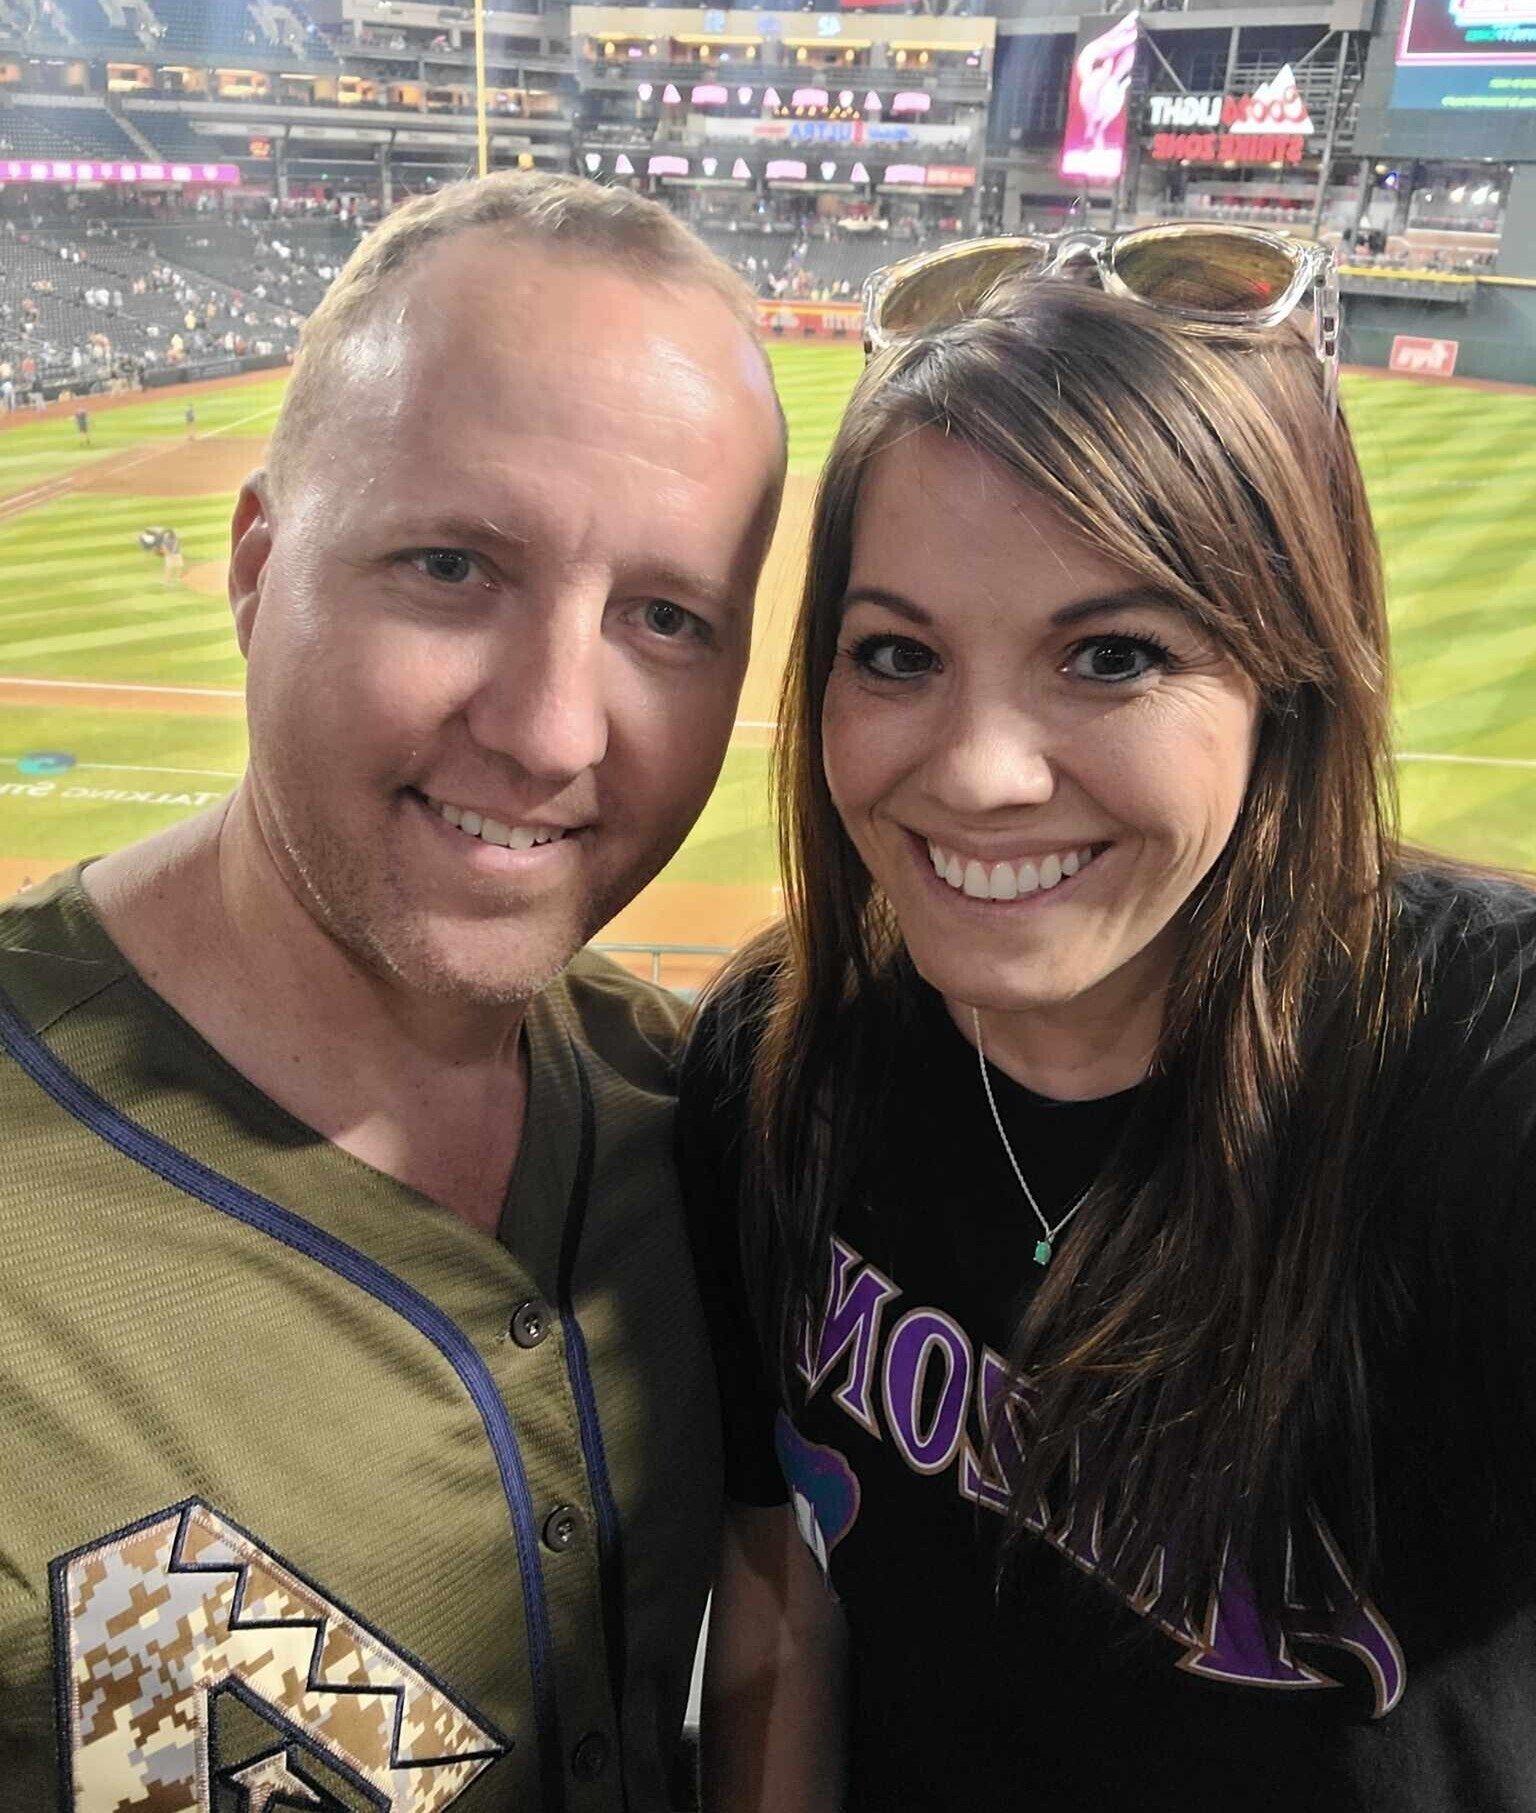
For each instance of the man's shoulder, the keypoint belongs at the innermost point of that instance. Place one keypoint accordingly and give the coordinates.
(632, 1026)
(54, 952)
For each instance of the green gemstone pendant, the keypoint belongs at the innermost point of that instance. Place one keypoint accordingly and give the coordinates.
(1042, 1252)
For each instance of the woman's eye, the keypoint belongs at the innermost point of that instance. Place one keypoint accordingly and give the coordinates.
(1116, 659)
(894, 657)
(449, 566)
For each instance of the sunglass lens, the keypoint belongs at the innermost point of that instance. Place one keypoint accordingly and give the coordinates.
(1217, 273)
(951, 288)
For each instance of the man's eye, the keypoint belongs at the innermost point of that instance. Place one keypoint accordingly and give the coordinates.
(663, 618)
(449, 566)
(894, 657)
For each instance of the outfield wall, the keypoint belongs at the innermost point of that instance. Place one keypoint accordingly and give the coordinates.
(1495, 332)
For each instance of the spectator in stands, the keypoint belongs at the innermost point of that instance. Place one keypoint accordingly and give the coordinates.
(1113, 1032)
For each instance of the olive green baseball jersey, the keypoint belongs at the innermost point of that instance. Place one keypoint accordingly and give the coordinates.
(311, 1495)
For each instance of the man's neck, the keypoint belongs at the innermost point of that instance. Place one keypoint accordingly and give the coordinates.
(426, 1089)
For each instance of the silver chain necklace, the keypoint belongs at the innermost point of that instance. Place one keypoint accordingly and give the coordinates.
(1042, 1247)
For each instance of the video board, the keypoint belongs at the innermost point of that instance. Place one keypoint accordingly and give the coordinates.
(1467, 57)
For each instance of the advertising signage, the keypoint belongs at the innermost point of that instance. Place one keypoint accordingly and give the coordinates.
(1269, 126)
(1099, 99)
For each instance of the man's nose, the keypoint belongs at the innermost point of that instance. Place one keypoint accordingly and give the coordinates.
(543, 701)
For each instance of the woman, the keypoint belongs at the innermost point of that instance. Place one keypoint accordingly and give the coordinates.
(1112, 1180)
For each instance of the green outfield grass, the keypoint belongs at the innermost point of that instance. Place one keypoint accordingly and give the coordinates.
(1452, 479)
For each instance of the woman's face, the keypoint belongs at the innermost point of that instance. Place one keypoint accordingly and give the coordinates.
(1037, 763)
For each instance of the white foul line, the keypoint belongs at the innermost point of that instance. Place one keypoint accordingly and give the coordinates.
(212, 774)
(1473, 761)
(170, 692)
(230, 427)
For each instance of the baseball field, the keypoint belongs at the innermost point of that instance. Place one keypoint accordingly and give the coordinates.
(120, 701)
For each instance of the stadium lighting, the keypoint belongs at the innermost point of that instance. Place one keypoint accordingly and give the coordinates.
(1459, 194)
(1479, 196)
(711, 165)
(594, 163)
(622, 166)
(744, 96)
(845, 99)
(858, 174)
(669, 95)
(645, 91)
(872, 103)
(828, 171)
(740, 171)
(771, 98)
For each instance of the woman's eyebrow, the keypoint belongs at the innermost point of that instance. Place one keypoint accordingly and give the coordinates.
(894, 602)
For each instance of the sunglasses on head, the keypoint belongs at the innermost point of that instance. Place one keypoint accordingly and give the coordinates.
(1209, 277)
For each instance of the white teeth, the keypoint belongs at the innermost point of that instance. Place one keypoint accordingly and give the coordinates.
(1007, 881)
(492, 830)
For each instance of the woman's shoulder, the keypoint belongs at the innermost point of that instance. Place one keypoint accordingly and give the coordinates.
(1471, 936)
(1470, 939)
(723, 1032)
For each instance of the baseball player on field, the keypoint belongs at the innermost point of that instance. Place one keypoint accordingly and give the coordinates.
(358, 1430)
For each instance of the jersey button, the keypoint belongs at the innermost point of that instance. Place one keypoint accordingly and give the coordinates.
(562, 1528)
(590, 1757)
(530, 1323)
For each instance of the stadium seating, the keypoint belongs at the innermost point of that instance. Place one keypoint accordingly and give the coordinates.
(44, 313)
(173, 136)
(193, 27)
(90, 24)
(60, 130)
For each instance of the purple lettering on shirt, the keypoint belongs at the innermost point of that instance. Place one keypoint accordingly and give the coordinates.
(921, 1339)
(1359, 1628)
(986, 1477)
(856, 1298)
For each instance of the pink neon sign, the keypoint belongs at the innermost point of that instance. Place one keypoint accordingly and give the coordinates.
(35, 170)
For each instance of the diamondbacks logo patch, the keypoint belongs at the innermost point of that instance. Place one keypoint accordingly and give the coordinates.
(197, 1673)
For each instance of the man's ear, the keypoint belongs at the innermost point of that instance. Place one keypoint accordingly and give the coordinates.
(250, 544)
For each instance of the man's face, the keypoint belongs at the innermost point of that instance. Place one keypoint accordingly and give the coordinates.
(497, 626)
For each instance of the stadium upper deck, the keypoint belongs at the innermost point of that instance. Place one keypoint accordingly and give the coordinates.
(806, 142)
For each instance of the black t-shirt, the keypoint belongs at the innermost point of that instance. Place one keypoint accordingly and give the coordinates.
(1050, 1692)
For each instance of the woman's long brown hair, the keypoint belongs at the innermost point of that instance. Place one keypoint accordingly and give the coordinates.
(1198, 1346)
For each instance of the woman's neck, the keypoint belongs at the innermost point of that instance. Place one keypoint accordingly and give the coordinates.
(1093, 1045)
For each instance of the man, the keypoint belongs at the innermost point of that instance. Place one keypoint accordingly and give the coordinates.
(359, 1441)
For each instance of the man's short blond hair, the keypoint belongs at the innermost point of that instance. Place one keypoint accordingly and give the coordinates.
(621, 229)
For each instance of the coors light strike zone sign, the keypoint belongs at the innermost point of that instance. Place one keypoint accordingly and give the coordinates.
(1269, 126)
